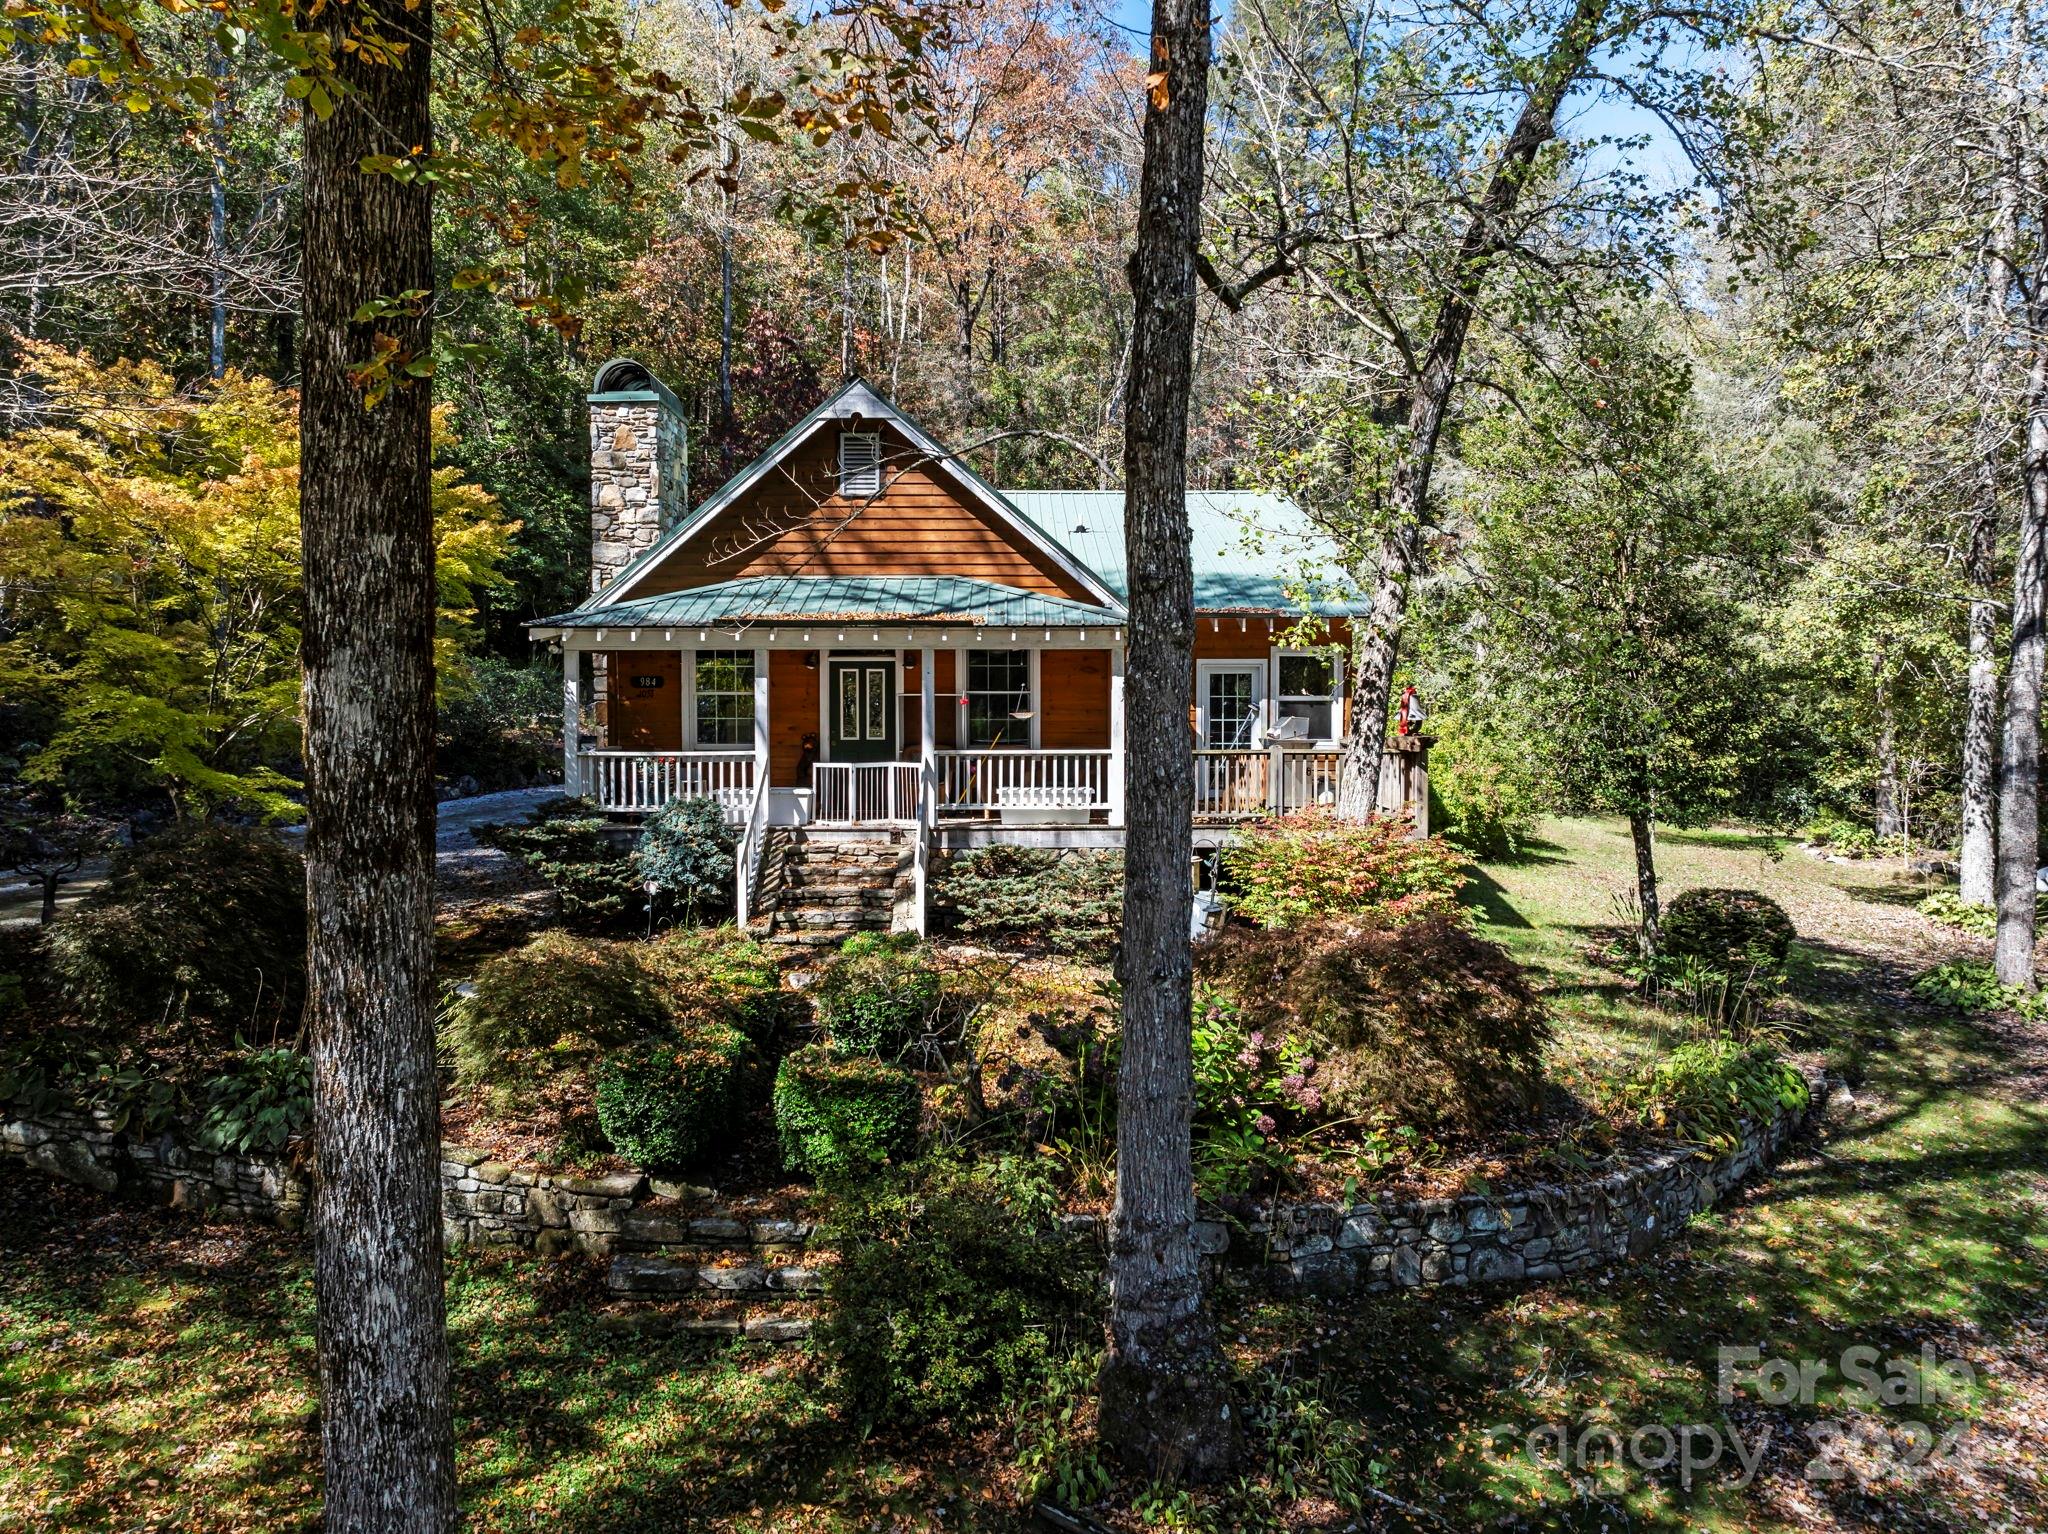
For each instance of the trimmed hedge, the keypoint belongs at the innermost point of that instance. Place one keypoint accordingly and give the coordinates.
(664, 1102)
(1728, 930)
(843, 1118)
(877, 993)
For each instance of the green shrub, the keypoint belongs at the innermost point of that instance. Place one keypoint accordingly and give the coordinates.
(560, 999)
(1707, 1089)
(1972, 985)
(1251, 1090)
(1069, 902)
(569, 845)
(1426, 1023)
(1949, 908)
(877, 993)
(842, 1118)
(716, 975)
(1729, 930)
(1279, 873)
(1840, 835)
(952, 1294)
(259, 1104)
(1486, 789)
(662, 1103)
(686, 852)
(500, 723)
(207, 923)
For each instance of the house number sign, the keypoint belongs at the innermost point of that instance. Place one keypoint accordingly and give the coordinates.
(647, 681)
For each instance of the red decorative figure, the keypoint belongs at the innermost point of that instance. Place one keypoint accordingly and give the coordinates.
(1409, 716)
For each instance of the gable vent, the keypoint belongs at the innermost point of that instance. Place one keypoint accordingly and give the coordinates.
(860, 463)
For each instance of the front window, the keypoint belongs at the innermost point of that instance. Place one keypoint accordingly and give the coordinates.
(725, 697)
(1308, 692)
(999, 697)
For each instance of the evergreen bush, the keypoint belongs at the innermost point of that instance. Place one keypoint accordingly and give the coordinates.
(1069, 902)
(206, 923)
(1732, 931)
(952, 1294)
(569, 845)
(1486, 788)
(662, 1103)
(686, 853)
(877, 993)
(1426, 1024)
(1279, 873)
(843, 1118)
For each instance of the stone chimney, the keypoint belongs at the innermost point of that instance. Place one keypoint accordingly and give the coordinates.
(639, 466)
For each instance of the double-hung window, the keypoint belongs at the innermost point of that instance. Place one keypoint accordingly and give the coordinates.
(725, 697)
(1309, 691)
(999, 697)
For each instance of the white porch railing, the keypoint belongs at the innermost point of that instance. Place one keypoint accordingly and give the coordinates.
(643, 781)
(984, 782)
(864, 793)
(747, 856)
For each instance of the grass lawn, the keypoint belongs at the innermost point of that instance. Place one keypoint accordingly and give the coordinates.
(156, 1374)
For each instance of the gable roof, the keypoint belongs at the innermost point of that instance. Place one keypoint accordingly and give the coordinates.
(839, 598)
(854, 397)
(1251, 552)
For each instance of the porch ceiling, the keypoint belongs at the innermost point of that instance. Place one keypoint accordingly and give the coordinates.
(843, 599)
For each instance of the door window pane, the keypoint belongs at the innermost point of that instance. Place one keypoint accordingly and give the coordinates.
(878, 702)
(1231, 714)
(849, 704)
(725, 697)
(999, 697)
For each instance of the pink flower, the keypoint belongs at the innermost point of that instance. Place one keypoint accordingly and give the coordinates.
(1265, 1124)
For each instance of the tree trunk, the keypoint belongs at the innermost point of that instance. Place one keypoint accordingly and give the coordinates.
(1436, 379)
(50, 883)
(2019, 767)
(1165, 1405)
(1887, 817)
(369, 724)
(1980, 723)
(1651, 935)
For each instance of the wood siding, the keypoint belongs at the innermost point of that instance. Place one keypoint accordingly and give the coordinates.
(1073, 707)
(792, 715)
(639, 718)
(793, 522)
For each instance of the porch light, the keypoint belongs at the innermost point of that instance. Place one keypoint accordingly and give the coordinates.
(810, 658)
(632, 636)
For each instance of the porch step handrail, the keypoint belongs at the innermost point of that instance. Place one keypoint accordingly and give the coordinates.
(747, 856)
(864, 793)
(993, 778)
(644, 781)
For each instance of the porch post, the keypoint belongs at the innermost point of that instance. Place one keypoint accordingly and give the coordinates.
(927, 780)
(760, 718)
(1116, 735)
(572, 725)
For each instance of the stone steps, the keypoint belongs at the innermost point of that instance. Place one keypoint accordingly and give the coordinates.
(817, 891)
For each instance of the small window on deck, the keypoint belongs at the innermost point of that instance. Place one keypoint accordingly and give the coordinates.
(1308, 692)
(725, 697)
(860, 463)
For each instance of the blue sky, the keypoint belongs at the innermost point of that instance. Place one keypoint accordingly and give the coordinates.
(1661, 158)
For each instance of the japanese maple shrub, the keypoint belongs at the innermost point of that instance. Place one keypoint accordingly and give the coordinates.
(1278, 873)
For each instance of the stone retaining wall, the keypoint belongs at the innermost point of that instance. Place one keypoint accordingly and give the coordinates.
(670, 1240)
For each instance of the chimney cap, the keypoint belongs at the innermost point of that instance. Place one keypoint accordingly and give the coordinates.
(626, 376)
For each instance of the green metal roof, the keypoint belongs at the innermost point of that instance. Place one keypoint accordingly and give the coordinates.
(839, 598)
(1252, 552)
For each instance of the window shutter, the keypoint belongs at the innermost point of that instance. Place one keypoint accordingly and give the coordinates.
(860, 463)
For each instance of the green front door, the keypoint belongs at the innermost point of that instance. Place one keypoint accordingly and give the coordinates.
(862, 706)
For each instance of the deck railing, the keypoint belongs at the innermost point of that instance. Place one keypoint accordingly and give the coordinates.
(630, 782)
(975, 783)
(1231, 785)
(864, 793)
(747, 856)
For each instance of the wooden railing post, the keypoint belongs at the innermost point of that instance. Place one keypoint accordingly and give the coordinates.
(1116, 736)
(572, 728)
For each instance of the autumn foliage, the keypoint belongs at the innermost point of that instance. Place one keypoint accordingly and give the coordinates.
(1279, 873)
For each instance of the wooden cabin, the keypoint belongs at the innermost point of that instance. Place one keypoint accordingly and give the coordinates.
(857, 636)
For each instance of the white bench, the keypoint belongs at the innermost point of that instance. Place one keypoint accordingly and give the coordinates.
(1027, 806)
